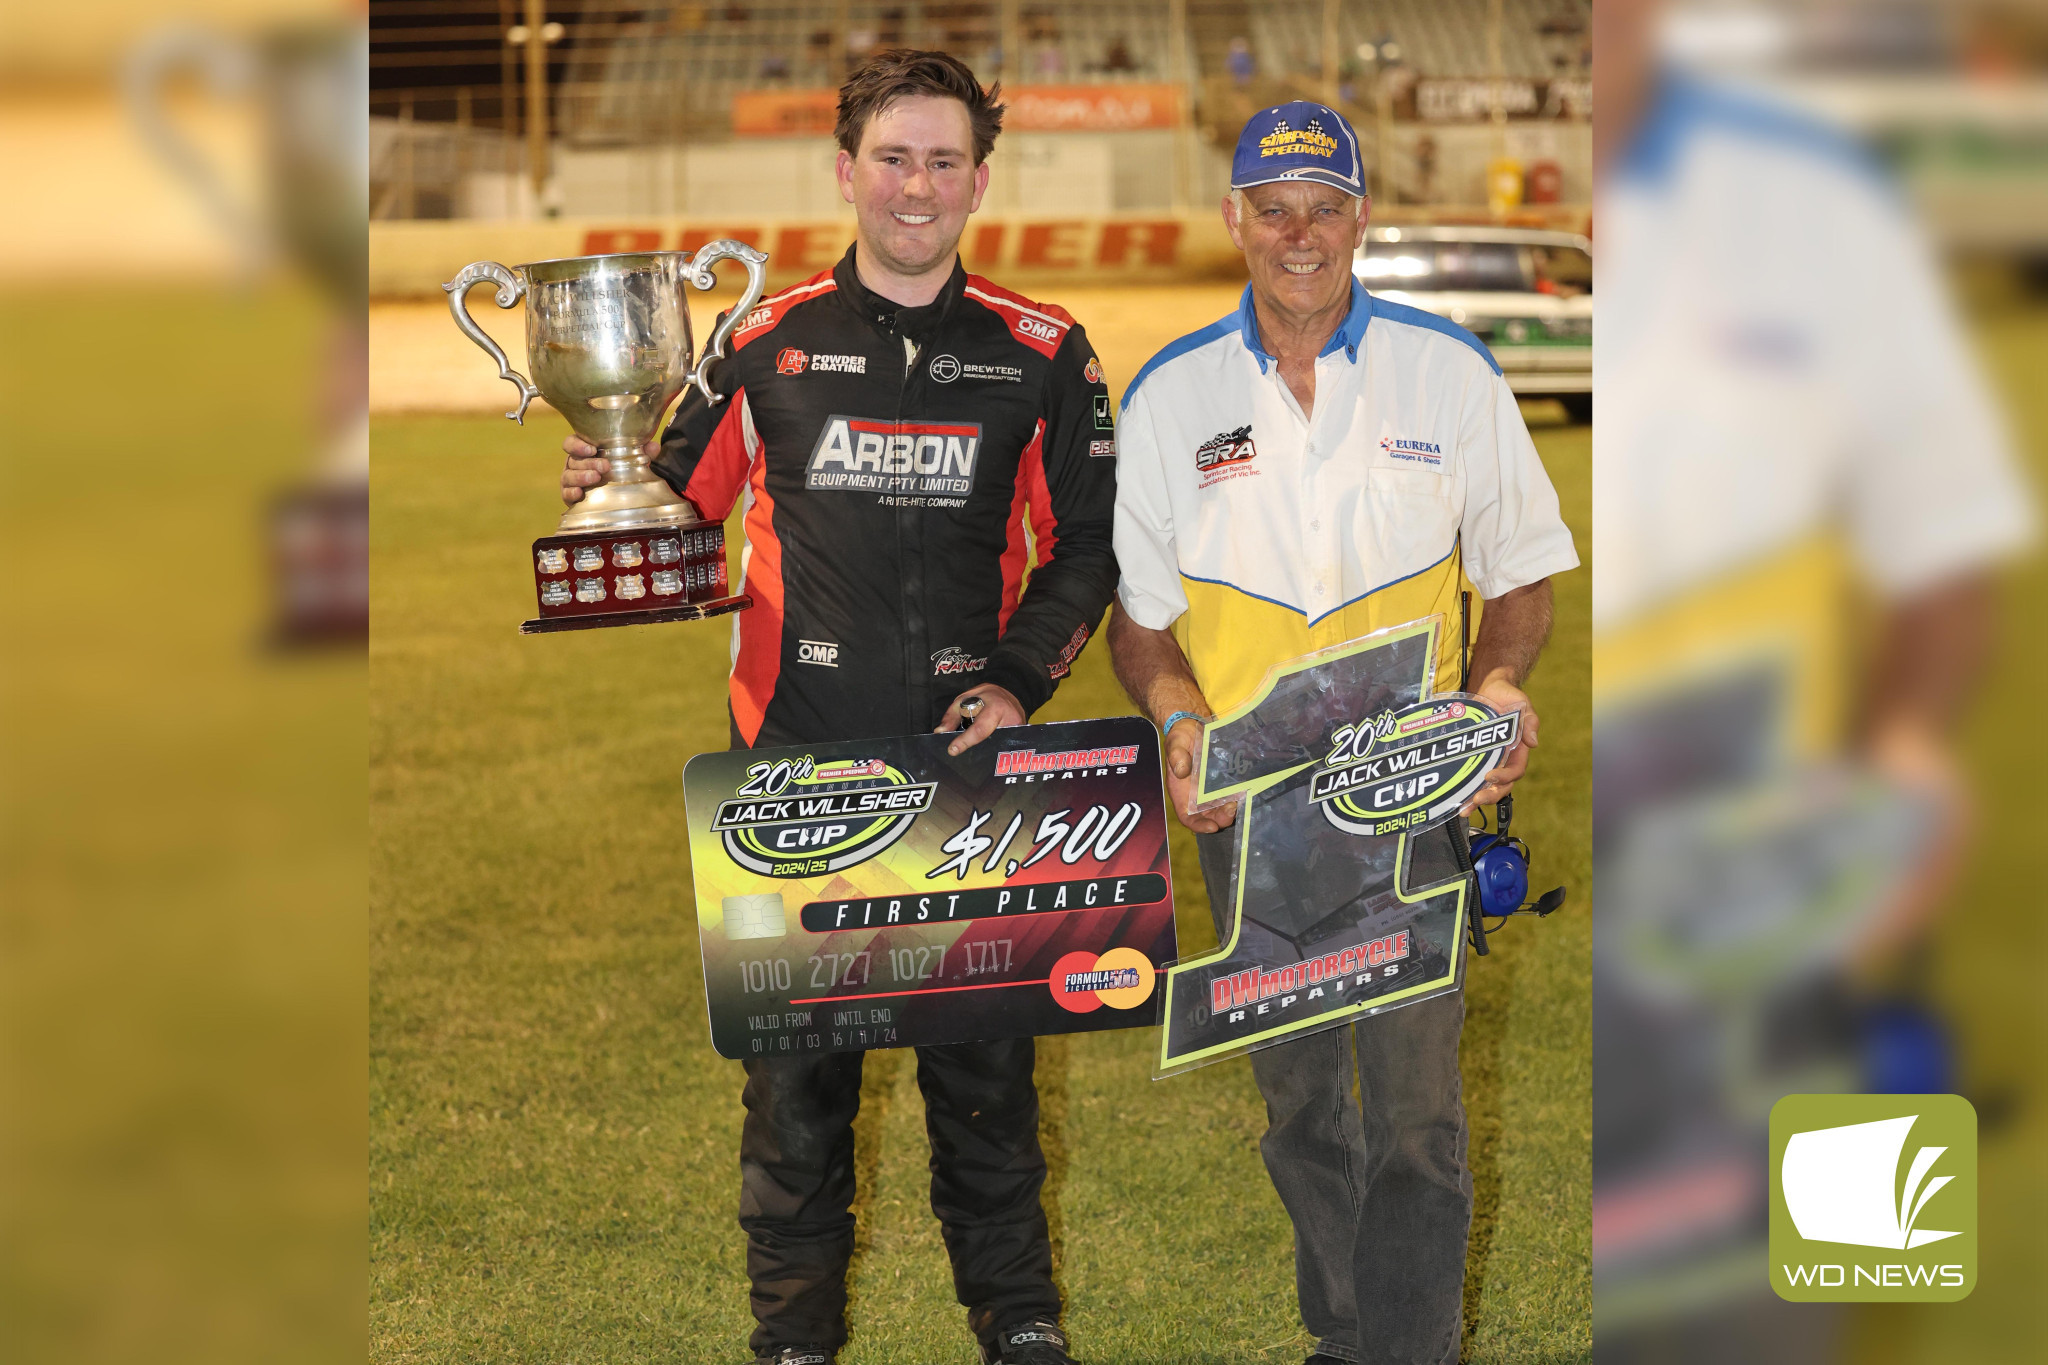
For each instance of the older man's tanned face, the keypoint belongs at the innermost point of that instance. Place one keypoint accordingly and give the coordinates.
(1297, 237)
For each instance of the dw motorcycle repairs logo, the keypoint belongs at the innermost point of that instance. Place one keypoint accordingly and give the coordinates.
(1873, 1198)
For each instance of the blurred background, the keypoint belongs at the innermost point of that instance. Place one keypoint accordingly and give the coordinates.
(182, 1097)
(1822, 232)
(491, 109)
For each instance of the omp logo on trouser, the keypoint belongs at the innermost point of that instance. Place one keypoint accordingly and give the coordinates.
(1254, 984)
(866, 455)
(821, 652)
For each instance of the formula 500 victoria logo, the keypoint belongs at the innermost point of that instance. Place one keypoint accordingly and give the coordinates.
(800, 818)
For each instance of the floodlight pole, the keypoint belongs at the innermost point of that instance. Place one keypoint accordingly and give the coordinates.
(1330, 52)
(536, 97)
(1013, 44)
(1183, 103)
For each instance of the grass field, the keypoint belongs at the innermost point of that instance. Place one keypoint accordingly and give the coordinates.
(554, 1144)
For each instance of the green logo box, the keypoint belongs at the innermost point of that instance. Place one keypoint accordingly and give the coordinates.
(1873, 1198)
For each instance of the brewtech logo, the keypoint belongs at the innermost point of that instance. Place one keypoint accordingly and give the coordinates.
(1873, 1198)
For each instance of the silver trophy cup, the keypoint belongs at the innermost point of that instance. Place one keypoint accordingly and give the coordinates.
(609, 346)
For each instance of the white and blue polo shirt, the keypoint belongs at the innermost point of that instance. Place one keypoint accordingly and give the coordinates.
(1259, 532)
(1778, 361)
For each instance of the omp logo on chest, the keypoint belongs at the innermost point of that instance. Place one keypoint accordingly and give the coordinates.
(864, 455)
(1408, 451)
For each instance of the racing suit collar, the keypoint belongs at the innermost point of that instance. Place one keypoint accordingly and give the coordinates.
(890, 316)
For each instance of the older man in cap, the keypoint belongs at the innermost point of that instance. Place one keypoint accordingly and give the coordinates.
(1318, 465)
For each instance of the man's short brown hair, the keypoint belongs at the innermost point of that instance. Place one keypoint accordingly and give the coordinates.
(903, 72)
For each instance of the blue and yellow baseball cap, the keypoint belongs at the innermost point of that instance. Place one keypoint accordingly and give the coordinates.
(1298, 141)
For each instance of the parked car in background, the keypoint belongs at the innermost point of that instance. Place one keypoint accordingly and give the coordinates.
(1526, 293)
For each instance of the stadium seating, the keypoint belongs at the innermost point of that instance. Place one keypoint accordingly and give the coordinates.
(674, 74)
(1437, 37)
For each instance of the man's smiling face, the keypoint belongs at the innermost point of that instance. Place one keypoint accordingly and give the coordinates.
(1297, 237)
(914, 183)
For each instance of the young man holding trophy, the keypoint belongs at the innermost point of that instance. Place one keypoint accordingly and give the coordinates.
(904, 435)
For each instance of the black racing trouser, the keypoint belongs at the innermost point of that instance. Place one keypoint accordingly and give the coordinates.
(797, 1188)
(797, 1183)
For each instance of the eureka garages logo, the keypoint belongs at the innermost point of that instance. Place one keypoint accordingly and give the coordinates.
(1873, 1198)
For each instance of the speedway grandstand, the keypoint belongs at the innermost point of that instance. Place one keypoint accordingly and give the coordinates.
(634, 106)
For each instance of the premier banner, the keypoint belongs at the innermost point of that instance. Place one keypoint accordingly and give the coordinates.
(1348, 893)
(882, 893)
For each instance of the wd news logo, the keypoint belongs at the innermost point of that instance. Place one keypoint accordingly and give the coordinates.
(1873, 1198)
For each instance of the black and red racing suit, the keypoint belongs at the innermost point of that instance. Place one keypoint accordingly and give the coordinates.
(900, 466)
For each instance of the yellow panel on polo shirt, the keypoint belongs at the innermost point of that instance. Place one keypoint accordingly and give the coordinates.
(1259, 532)
(1231, 638)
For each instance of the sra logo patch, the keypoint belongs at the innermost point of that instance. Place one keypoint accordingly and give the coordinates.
(1230, 447)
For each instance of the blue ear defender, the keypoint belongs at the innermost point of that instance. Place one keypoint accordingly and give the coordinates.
(1500, 868)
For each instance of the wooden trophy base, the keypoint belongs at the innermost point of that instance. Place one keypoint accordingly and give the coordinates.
(588, 579)
(691, 611)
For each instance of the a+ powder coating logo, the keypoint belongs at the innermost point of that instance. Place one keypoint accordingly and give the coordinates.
(1873, 1198)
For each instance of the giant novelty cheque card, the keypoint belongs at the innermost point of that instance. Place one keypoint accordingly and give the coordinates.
(1348, 892)
(881, 893)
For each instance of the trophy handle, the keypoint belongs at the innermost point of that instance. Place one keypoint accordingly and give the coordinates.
(510, 289)
(229, 69)
(701, 274)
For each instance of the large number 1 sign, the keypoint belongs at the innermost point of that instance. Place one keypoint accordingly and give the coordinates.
(1349, 888)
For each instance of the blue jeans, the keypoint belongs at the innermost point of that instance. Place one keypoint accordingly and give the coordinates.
(1375, 1181)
